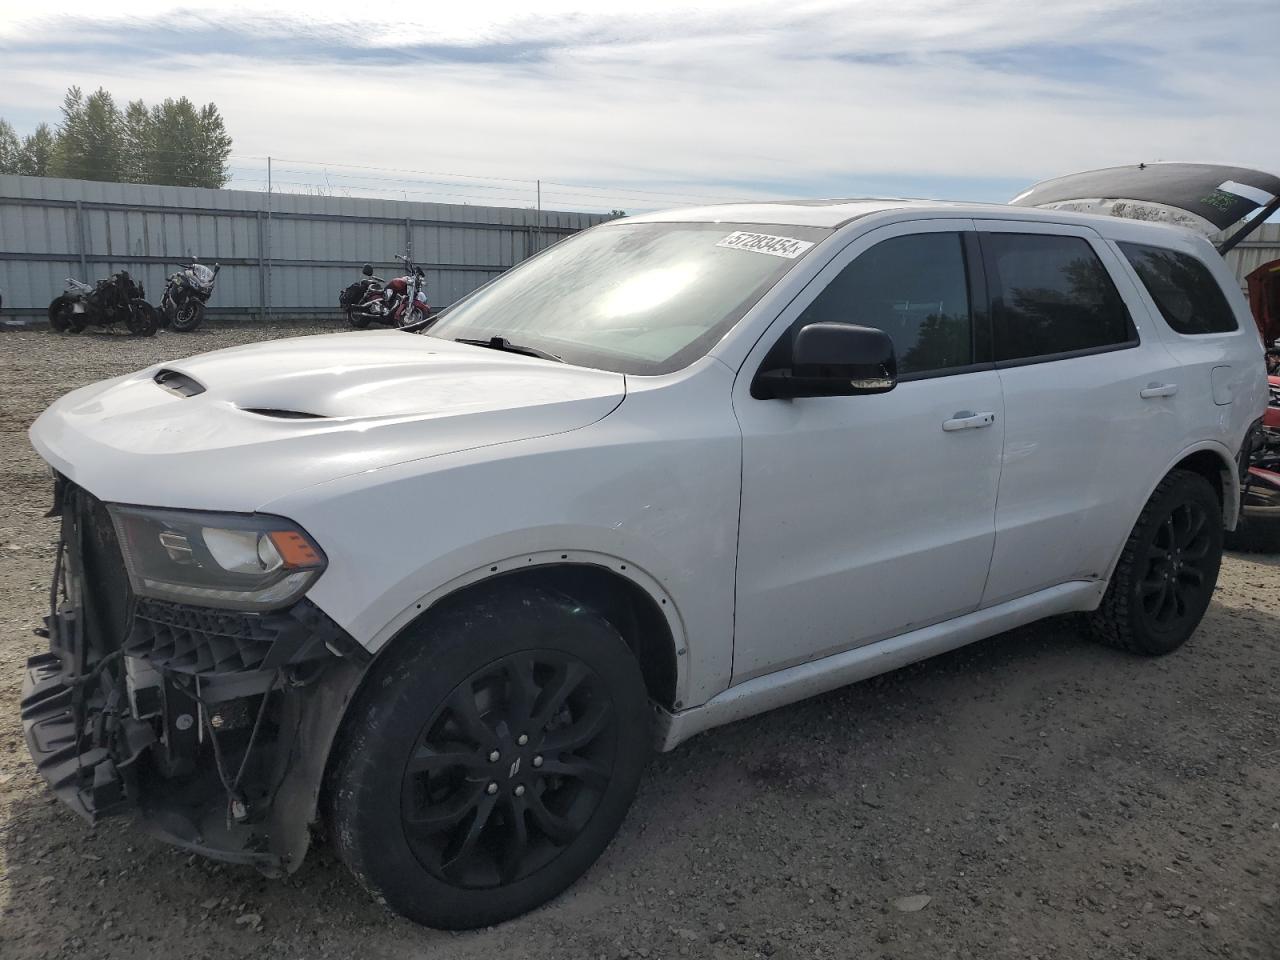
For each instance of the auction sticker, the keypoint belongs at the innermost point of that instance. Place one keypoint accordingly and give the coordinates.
(787, 247)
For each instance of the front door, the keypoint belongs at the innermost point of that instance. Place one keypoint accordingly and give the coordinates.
(869, 516)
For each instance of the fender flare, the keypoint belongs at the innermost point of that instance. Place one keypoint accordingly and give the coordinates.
(620, 567)
(1230, 489)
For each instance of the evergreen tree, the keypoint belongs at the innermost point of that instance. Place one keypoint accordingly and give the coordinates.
(89, 138)
(10, 149)
(174, 127)
(174, 142)
(137, 144)
(211, 149)
(36, 159)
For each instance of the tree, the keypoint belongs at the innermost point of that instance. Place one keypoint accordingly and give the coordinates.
(137, 143)
(189, 146)
(212, 149)
(174, 142)
(36, 159)
(88, 145)
(10, 149)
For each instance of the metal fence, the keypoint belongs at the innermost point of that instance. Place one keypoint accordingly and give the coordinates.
(1262, 247)
(282, 255)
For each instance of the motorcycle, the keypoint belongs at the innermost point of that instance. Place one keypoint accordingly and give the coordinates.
(188, 290)
(395, 302)
(115, 299)
(1259, 526)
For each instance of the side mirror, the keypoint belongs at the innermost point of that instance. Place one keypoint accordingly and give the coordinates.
(216, 268)
(367, 269)
(832, 360)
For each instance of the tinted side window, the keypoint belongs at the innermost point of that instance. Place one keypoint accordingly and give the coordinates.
(914, 288)
(1183, 288)
(1052, 295)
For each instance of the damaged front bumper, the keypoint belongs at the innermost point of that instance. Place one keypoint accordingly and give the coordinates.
(210, 728)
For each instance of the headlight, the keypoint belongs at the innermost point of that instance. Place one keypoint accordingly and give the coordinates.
(231, 560)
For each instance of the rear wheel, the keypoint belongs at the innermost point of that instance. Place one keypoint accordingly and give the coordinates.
(142, 321)
(188, 316)
(357, 319)
(490, 759)
(1168, 569)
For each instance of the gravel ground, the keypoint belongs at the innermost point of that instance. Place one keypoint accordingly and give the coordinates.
(1030, 796)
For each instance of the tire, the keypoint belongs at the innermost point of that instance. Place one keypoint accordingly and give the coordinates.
(356, 319)
(434, 803)
(142, 321)
(188, 316)
(1167, 571)
(61, 319)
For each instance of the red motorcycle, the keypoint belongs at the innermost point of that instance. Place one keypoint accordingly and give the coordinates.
(1259, 527)
(395, 302)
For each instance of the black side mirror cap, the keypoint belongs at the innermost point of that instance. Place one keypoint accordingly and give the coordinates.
(832, 360)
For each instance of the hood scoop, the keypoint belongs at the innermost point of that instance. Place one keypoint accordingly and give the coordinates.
(284, 414)
(176, 382)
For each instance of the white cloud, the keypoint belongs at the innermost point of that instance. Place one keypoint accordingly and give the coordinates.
(727, 100)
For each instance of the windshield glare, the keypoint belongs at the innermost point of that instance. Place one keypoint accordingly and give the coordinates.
(642, 298)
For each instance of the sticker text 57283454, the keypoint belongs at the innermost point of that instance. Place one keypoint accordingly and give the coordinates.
(787, 247)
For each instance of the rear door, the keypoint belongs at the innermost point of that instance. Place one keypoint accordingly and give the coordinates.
(1092, 401)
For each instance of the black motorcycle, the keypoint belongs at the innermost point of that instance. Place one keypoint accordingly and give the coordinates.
(188, 290)
(117, 299)
(362, 301)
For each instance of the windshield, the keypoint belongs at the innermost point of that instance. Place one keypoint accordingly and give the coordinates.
(642, 298)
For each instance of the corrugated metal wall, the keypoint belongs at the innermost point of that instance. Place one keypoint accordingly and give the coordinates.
(1262, 246)
(288, 261)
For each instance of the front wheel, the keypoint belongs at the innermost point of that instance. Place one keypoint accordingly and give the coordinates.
(62, 317)
(489, 759)
(188, 316)
(1168, 569)
(142, 321)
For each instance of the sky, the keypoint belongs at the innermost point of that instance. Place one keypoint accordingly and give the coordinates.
(647, 105)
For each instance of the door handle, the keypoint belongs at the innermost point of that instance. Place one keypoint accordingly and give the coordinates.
(964, 420)
(1153, 390)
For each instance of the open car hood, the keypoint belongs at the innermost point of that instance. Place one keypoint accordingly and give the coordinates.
(1206, 196)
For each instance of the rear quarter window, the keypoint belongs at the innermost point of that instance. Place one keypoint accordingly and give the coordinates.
(1183, 289)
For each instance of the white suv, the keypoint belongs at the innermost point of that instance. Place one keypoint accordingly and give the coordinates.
(442, 589)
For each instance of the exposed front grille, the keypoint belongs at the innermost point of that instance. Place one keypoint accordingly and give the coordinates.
(203, 640)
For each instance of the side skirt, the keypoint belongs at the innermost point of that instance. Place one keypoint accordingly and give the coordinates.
(819, 676)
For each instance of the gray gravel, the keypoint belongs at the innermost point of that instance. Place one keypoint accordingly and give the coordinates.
(1030, 796)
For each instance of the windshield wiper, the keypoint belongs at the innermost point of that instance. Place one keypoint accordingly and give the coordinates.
(506, 346)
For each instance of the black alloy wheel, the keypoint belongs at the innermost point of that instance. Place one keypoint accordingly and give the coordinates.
(1178, 568)
(510, 770)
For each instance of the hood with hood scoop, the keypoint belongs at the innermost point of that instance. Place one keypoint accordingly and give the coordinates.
(238, 428)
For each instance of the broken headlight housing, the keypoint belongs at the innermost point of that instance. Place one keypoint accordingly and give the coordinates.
(228, 560)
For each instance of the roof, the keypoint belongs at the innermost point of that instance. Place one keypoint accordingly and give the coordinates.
(838, 212)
